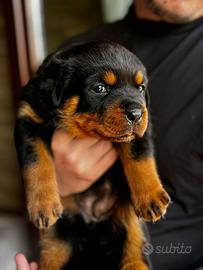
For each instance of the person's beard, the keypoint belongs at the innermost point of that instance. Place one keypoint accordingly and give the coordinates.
(165, 14)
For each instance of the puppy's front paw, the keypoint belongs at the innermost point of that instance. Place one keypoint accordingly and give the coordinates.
(152, 206)
(44, 213)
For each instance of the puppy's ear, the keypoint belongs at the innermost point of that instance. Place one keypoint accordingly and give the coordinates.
(54, 77)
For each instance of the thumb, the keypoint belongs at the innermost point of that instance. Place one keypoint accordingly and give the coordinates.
(21, 262)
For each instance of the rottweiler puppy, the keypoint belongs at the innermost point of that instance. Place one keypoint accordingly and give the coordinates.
(96, 89)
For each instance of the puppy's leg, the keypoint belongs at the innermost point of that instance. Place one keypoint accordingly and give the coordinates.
(43, 201)
(55, 253)
(132, 256)
(147, 193)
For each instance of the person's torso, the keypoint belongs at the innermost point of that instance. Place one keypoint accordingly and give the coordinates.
(173, 56)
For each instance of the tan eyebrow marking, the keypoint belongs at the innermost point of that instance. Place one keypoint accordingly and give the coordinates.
(110, 77)
(139, 77)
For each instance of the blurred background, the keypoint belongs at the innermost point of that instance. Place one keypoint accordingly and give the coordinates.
(29, 30)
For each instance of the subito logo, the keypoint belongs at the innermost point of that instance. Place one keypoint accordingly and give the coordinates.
(147, 249)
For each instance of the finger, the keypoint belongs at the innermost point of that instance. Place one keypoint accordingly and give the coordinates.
(62, 139)
(33, 266)
(100, 163)
(90, 157)
(104, 163)
(66, 149)
(108, 159)
(81, 152)
(100, 148)
(21, 262)
(83, 144)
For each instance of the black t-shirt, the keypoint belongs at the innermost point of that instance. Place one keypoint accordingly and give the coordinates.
(173, 56)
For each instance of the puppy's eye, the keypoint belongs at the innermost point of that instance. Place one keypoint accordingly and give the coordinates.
(101, 89)
(141, 88)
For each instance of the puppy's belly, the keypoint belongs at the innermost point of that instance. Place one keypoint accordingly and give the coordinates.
(100, 201)
(95, 245)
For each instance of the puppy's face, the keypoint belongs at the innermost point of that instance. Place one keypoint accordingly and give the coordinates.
(105, 93)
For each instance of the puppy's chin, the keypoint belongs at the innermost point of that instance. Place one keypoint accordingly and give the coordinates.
(113, 134)
(124, 138)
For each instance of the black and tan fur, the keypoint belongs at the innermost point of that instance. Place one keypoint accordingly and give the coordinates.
(97, 89)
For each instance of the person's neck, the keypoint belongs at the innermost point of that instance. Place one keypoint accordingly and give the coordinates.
(143, 12)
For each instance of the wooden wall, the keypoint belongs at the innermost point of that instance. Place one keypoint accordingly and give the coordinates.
(66, 18)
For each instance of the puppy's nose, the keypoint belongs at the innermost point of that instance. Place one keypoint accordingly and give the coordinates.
(133, 115)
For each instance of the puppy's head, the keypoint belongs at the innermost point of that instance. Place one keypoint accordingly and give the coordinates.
(102, 91)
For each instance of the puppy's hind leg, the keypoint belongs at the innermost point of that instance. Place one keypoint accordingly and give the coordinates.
(55, 253)
(133, 258)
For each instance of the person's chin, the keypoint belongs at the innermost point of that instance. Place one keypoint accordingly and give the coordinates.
(174, 11)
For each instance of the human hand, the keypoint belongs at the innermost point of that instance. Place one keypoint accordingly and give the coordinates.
(22, 263)
(79, 163)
